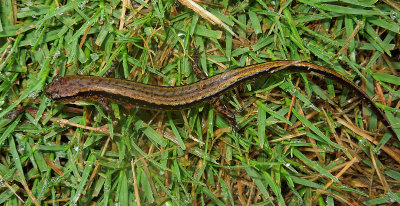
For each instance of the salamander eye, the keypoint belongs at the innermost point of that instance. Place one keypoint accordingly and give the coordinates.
(57, 78)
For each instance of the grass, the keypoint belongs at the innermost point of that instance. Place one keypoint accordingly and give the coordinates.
(303, 139)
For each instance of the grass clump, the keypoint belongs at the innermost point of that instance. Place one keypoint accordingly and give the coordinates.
(302, 139)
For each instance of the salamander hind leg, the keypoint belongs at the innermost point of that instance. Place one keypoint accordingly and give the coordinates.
(219, 107)
(222, 110)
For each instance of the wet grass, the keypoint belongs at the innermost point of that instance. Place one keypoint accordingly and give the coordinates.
(303, 138)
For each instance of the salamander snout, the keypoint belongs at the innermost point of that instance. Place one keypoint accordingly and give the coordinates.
(64, 89)
(54, 89)
(51, 92)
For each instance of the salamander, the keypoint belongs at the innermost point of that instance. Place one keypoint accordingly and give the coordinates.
(100, 89)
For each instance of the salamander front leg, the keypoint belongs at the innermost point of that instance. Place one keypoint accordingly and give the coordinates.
(112, 69)
(106, 105)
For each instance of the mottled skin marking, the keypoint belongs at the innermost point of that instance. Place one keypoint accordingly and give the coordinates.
(67, 89)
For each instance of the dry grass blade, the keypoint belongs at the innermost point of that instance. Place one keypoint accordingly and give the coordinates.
(351, 37)
(206, 15)
(393, 4)
(392, 153)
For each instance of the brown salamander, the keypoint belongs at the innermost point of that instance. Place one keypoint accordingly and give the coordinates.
(73, 88)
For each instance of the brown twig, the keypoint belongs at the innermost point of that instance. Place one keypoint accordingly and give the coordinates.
(135, 186)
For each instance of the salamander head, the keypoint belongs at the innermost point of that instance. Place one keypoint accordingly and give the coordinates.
(61, 88)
